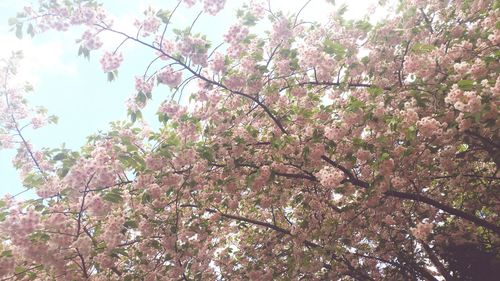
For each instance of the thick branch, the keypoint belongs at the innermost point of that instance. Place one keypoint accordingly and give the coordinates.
(252, 221)
(418, 198)
(333, 84)
(201, 77)
(446, 208)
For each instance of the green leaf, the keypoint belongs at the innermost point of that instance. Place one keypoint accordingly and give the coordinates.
(141, 97)
(163, 15)
(465, 85)
(354, 104)
(384, 156)
(363, 25)
(206, 153)
(462, 148)
(411, 133)
(2, 203)
(146, 198)
(60, 156)
(121, 251)
(3, 216)
(357, 142)
(135, 115)
(7, 254)
(365, 60)
(249, 19)
(422, 48)
(39, 236)
(84, 51)
(131, 224)
(53, 119)
(375, 91)
(113, 196)
(334, 48)
(19, 30)
(393, 122)
(30, 30)
(111, 76)
(33, 180)
(19, 270)
(13, 21)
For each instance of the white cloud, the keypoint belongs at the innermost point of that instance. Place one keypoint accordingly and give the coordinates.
(316, 10)
(39, 58)
(320, 10)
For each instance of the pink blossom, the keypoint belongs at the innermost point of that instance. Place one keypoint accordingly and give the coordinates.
(218, 64)
(111, 62)
(151, 24)
(91, 41)
(143, 86)
(170, 77)
(213, 6)
(330, 177)
(422, 230)
(429, 127)
(190, 3)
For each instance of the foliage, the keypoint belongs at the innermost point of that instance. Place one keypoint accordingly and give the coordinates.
(349, 150)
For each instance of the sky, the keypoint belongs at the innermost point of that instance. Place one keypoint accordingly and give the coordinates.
(77, 91)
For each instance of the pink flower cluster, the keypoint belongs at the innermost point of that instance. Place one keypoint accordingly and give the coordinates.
(495, 37)
(7, 265)
(20, 225)
(468, 101)
(133, 105)
(410, 117)
(170, 77)
(213, 6)
(97, 206)
(398, 182)
(143, 86)
(330, 177)
(83, 245)
(218, 64)
(210, 6)
(386, 167)
(335, 133)
(428, 127)
(112, 233)
(363, 155)
(281, 30)
(150, 25)
(91, 41)
(84, 15)
(172, 110)
(235, 35)
(312, 56)
(478, 69)
(262, 178)
(189, 3)
(461, 68)
(422, 230)
(472, 105)
(194, 48)
(111, 62)
(96, 172)
(37, 121)
(235, 82)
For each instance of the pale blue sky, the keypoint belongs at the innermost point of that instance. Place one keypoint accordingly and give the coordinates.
(77, 91)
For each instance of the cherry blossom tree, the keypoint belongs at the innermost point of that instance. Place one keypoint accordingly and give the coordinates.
(349, 150)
